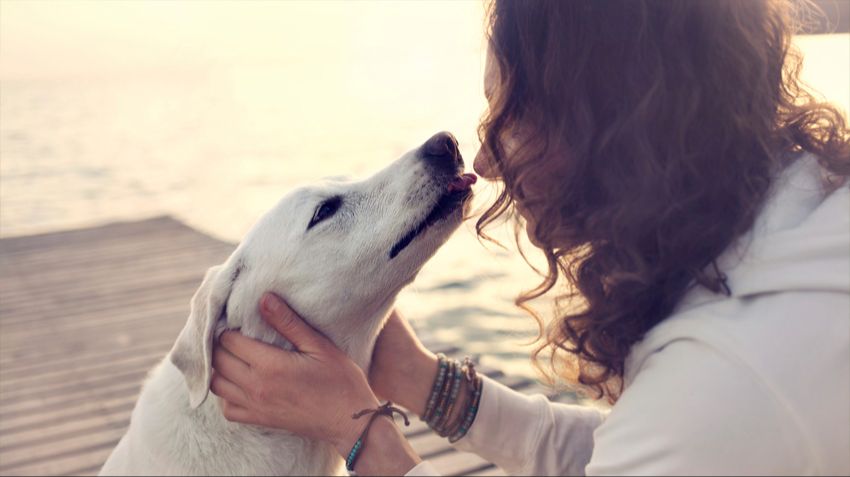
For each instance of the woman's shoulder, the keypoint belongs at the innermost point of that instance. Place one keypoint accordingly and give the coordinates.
(796, 334)
(774, 366)
(778, 272)
(778, 372)
(784, 327)
(695, 408)
(792, 270)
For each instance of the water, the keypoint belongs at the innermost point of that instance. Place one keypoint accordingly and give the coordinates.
(229, 105)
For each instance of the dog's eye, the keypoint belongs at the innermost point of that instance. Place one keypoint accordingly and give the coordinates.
(324, 210)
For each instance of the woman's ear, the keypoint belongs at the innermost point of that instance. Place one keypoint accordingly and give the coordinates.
(192, 353)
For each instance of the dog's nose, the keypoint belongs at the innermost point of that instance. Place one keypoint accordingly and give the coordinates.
(443, 144)
(442, 154)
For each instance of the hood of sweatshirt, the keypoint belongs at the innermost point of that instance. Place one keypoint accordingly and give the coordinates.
(800, 242)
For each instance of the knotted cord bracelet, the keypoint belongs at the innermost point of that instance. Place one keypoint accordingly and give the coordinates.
(386, 409)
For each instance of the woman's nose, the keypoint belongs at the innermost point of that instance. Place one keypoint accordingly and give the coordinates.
(483, 165)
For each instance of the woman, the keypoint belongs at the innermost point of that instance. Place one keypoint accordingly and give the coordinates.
(691, 197)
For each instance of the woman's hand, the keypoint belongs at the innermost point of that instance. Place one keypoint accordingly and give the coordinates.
(402, 370)
(312, 391)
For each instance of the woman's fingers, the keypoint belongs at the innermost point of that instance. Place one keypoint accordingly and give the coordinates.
(249, 350)
(227, 390)
(230, 366)
(286, 322)
(236, 413)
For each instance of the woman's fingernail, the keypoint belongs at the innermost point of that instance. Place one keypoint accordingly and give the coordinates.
(271, 303)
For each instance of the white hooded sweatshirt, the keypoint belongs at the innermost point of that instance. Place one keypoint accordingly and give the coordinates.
(753, 383)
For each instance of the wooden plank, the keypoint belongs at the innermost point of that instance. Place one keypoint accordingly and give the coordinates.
(489, 471)
(111, 256)
(120, 323)
(82, 360)
(458, 463)
(91, 236)
(45, 404)
(82, 385)
(103, 412)
(27, 355)
(92, 455)
(127, 305)
(48, 450)
(68, 283)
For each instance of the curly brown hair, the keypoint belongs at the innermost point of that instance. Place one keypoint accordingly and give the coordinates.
(642, 136)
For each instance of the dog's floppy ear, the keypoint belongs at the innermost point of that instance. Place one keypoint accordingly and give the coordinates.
(192, 353)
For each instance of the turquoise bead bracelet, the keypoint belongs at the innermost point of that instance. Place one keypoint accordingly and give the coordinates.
(353, 455)
(437, 386)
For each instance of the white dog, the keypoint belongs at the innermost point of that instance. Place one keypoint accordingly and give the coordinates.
(338, 253)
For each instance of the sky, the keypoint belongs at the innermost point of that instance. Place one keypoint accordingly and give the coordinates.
(95, 39)
(65, 39)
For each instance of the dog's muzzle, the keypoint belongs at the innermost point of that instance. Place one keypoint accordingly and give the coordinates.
(442, 158)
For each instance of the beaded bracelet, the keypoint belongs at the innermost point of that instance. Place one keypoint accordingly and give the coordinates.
(476, 385)
(445, 393)
(438, 385)
(439, 426)
(470, 374)
(471, 412)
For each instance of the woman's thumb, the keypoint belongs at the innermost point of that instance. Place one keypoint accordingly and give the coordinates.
(286, 322)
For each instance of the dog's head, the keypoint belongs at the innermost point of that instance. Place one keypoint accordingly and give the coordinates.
(338, 253)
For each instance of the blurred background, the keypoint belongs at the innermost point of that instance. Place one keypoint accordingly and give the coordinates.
(210, 110)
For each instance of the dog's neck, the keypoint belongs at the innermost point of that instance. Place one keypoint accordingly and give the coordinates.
(358, 342)
(354, 337)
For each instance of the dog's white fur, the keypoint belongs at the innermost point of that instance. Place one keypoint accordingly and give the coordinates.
(337, 275)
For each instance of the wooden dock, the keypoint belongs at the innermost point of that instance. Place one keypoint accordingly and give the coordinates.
(84, 315)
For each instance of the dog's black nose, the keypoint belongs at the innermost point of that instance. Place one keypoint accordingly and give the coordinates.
(442, 144)
(441, 153)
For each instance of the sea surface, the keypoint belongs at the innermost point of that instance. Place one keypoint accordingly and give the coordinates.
(339, 89)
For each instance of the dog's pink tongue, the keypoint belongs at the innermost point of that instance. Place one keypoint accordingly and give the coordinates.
(463, 182)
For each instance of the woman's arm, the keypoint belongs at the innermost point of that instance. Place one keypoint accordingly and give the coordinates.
(402, 369)
(525, 435)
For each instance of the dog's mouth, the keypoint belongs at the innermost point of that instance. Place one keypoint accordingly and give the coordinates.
(456, 192)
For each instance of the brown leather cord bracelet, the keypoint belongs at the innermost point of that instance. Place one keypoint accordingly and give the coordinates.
(386, 409)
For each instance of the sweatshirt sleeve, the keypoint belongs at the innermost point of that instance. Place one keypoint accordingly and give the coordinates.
(529, 435)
